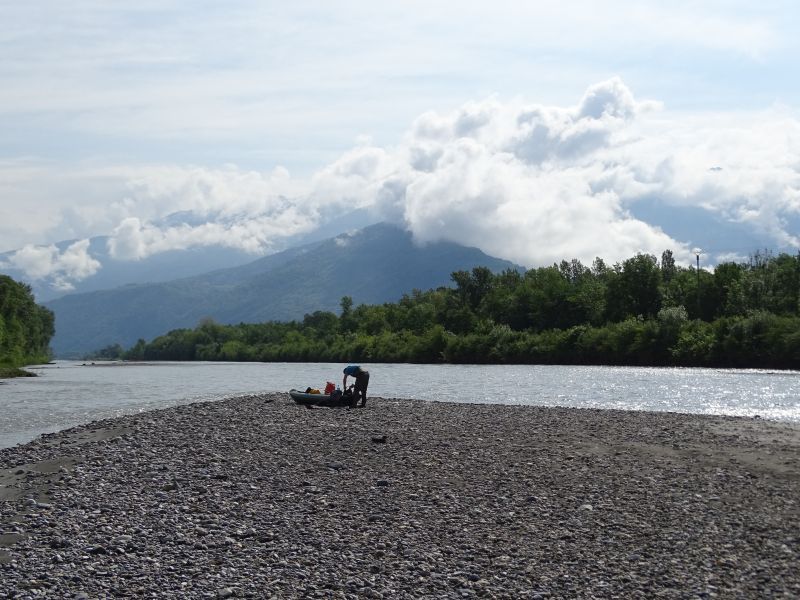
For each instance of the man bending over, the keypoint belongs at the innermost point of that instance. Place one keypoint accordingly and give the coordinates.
(360, 388)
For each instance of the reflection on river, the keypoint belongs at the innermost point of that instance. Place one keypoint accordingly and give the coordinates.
(68, 393)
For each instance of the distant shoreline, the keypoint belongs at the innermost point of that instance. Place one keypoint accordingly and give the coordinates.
(100, 362)
(255, 495)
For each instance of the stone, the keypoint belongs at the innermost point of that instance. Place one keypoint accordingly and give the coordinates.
(483, 504)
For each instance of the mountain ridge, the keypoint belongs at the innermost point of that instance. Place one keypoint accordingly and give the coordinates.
(373, 265)
(165, 265)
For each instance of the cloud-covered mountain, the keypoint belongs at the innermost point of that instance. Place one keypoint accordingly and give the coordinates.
(609, 176)
(373, 265)
(45, 269)
(80, 266)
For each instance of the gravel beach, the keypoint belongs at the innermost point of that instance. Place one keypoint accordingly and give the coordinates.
(256, 497)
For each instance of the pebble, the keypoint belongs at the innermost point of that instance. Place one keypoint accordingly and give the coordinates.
(253, 496)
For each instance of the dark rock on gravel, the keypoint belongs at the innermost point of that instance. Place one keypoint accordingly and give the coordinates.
(255, 497)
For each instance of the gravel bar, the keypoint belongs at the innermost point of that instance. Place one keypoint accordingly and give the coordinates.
(256, 497)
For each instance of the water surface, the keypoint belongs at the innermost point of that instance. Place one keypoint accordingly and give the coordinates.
(70, 393)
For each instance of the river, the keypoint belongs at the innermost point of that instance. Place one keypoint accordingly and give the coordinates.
(66, 393)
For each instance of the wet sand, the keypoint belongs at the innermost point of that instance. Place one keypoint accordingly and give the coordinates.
(257, 497)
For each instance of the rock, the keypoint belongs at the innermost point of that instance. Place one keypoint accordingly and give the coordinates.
(378, 439)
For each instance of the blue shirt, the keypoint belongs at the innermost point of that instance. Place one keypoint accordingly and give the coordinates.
(352, 370)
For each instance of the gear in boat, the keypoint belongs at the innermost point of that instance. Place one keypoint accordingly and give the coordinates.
(312, 397)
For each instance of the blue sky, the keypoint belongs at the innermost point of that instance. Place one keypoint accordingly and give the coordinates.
(459, 120)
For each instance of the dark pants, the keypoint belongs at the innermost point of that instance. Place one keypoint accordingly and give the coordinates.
(360, 389)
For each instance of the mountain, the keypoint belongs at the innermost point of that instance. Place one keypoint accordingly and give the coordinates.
(164, 266)
(373, 265)
(171, 264)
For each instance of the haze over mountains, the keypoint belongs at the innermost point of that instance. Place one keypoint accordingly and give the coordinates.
(376, 264)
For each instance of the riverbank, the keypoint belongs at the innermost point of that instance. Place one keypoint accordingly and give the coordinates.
(9, 372)
(257, 497)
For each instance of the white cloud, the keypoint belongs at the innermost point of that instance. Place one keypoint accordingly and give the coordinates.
(530, 183)
(536, 184)
(134, 239)
(743, 167)
(155, 192)
(59, 268)
(520, 182)
(228, 207)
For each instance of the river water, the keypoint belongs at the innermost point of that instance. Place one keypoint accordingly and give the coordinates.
(66, 394)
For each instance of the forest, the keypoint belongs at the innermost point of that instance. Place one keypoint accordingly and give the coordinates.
(642, 311)
(25, 327)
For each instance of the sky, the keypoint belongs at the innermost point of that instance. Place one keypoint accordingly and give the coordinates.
(536, 131)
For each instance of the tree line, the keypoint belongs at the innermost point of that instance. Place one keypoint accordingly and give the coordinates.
(642, 311)
(25, 327)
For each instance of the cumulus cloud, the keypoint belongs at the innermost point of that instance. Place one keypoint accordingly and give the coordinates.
(134, 239)
(744, 168)
(530, 183)
(540, 183)
(228, 207)
(59, 268)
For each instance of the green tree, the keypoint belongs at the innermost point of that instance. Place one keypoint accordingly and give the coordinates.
(728, 292)
(635, 290)
(668, 268)
(637, 312)
(25, 327)
(346, 320)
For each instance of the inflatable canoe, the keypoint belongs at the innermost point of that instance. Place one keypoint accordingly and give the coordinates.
(318, 399)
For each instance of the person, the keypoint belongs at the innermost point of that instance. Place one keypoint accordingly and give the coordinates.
(360, 387)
